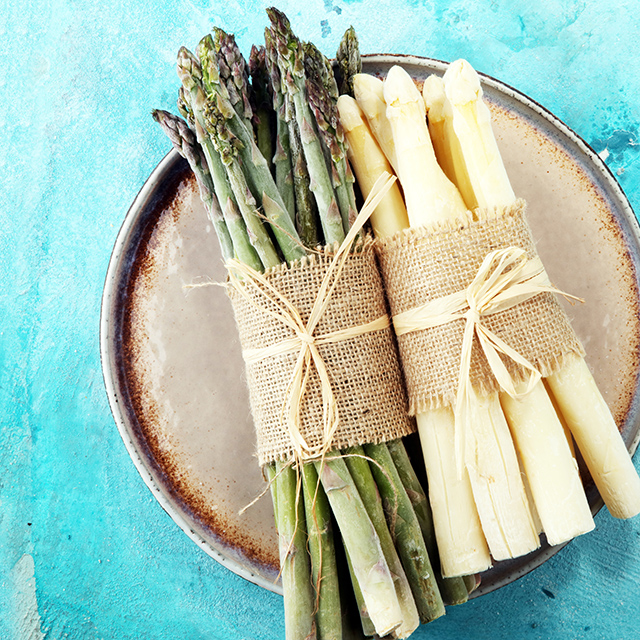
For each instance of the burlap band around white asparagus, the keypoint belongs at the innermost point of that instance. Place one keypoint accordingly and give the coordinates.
(426, 264)
(364, 371)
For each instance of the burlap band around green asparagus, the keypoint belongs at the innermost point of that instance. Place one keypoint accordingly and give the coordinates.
(364, 370)
(424, 264)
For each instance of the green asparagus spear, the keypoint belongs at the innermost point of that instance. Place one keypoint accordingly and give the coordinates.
(262, 106)
(254, 166)
(238, 231)
(295, 567)
(348, 61)
(322, 92)
(358, 465)
(218, 140)
(233, 73)
(323, 556)
(472, 582)
(352, 620)
(236, 226)
(362, 544)
(306, 207)
(282, 159)
(365, 619)
(185, 143)
(453, 590)
(405, 530)
(290, 61)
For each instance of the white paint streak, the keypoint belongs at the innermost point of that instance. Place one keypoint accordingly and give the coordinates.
(26, 618)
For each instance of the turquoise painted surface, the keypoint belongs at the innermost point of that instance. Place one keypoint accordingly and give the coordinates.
(85, 550)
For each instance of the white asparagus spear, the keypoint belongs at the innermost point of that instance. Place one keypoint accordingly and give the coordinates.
(369, 163)
(478, 165)
(434, 99)
(431, 197)
(461, 543)
(596, 434)
(551, 469)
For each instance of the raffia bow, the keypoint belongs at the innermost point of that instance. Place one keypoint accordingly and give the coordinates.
(505, 278)
(304, 342)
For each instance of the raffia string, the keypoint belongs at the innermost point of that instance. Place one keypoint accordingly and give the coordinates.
(505, 279)
(305, 343)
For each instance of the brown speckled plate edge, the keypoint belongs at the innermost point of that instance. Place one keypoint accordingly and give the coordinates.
(140, 216)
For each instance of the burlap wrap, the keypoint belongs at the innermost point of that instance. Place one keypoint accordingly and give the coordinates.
(364, 370)
(420, 265)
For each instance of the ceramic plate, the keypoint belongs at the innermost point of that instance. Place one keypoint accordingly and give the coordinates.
(171, 358)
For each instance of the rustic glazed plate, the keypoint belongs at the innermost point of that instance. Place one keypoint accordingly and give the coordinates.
(171, 358)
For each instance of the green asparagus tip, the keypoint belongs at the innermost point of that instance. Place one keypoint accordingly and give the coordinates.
(183, 140)
(189, 69)
(271, 62)
(210, 70)
(205, 46)
(169, 124)
(219, 36)
(287, 44)
(349, 61)
(279, 20)
(233, 71)
(184, 109)
(256, 59)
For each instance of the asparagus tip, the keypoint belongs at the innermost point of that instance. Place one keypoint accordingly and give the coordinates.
(462, 83)
(399, 88)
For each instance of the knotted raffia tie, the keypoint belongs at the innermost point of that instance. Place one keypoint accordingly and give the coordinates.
(305, 342)
(505, 278)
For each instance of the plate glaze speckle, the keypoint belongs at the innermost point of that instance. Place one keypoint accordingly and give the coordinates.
(171, 357)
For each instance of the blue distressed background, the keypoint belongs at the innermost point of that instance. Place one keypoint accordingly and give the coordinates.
(85, 550)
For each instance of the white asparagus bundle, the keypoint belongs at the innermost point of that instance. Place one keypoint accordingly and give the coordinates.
(466, 149)
(494, 475)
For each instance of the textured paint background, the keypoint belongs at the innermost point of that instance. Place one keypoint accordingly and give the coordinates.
(85, 550)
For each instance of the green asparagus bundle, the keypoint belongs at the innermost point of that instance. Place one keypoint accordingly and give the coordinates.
(270, 158)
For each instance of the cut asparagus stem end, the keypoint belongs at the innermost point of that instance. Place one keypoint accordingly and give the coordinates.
(362, 544)
(461, 542)
(405, 529)
(497, 485)
(295, 568)
(366, 626)
(551, 470)
(361, 473)
(321, 547)
(453, 590)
